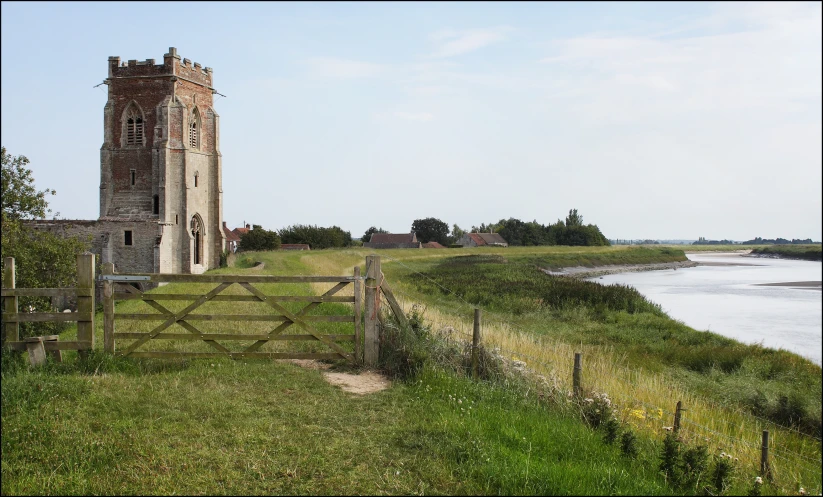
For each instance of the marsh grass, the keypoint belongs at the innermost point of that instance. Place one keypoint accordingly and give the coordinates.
(806, 252)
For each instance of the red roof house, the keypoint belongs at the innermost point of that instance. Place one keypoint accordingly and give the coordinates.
(393, 240)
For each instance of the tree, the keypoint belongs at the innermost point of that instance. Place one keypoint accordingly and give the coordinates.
(369, 232)
(457, 234)
(431, 230)
(20, 199)
(316, 237)
(574, 219)
(258, 238)
(41, 259)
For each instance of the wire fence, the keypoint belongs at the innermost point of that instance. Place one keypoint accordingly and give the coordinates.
(622, 375)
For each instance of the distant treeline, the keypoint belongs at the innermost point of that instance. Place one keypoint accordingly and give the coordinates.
(570, 232)
(777, 241)
(756, 241)
(647, 241)
(703, 241)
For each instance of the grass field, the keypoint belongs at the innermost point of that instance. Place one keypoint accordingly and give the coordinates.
(126, 426)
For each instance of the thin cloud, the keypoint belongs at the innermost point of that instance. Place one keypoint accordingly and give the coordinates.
(455, 43)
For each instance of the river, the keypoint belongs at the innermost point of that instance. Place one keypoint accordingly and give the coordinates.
(730, 294)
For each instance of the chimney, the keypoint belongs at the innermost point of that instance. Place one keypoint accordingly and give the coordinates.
(248, 226)
(224, 224)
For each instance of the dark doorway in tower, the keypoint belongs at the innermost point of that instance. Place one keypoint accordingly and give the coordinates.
(197, 234)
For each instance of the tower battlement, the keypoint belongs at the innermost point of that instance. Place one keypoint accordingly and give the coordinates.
(172, 66)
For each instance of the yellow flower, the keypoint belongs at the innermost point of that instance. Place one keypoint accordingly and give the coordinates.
(637, 413)
(660, 413)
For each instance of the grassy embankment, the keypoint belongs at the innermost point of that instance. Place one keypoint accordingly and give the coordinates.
(806, 252)
(217, 426)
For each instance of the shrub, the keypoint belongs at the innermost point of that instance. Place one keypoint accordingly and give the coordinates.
(628, 444)
(721, 474)
(670, 463)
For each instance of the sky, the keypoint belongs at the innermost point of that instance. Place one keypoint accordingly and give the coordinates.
(654, 120)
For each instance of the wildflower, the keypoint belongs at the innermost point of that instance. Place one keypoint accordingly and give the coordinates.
(589, 400)
(668, 428)
(758, 481)
(802, 491)
(723, 455)
(660, 413)
(459, 401)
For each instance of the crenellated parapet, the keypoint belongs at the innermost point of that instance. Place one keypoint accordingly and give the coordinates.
(173, 65)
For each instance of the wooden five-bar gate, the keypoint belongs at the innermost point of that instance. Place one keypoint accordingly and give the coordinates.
(223, 331)
(118, 287)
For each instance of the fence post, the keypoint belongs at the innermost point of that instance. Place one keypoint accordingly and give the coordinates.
(764, 455)
(475, 343)
(578, 368)
(371, 346)
(358, 330)
(677, 416)
(85, 303)
(108, 309)
(10, 303)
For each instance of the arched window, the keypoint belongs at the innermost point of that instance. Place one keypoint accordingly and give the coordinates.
(194, 130)
(197, 233)
(134, 126)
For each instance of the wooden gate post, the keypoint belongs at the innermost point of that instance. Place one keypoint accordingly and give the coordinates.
(371, 347)
(358, 329)
(475, 343)
(10, 303)
(85, 301)
(576, 374)
(108, 309)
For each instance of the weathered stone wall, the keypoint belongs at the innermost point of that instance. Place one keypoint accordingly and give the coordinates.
(107, 239)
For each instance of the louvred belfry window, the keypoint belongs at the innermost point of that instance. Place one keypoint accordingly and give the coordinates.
(193, 129)
(134, 127)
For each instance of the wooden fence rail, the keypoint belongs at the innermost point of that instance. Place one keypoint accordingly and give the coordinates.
(84, 316)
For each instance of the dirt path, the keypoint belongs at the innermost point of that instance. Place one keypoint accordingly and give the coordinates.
(361, 384)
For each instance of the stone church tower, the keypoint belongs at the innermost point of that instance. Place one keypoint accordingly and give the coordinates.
(160, 168)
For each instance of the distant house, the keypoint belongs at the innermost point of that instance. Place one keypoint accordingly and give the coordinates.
(392, 240)
(432, 245)
(482, 240)
(239, 232)
(294, 246)
(232, 240)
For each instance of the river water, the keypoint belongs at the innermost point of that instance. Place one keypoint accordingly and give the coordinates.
(726, 296)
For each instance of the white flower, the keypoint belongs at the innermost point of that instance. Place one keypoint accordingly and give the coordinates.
(758, 481)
